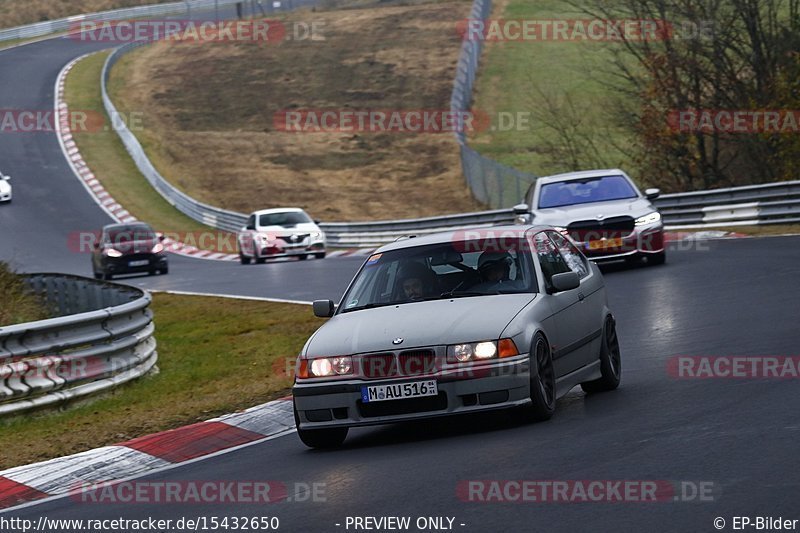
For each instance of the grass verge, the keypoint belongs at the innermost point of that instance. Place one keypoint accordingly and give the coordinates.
(551, 82)
(232, 354)
(112, 165)
(17, 305)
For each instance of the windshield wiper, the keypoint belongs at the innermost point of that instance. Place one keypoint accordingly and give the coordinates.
(464, 294)
(370, 305)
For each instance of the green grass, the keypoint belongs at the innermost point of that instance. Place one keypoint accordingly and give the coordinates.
(522, 76)
(106, 156)
(215, 356)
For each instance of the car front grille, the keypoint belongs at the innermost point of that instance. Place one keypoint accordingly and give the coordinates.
(405, 364)
(416, 362)
(293, 239)
(609, 228)
(379, 366)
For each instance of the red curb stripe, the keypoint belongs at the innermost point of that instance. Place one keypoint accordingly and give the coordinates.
(193, 441)
(13, 493)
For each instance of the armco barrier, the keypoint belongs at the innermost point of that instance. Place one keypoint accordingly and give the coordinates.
(102, 338)
(40, 29)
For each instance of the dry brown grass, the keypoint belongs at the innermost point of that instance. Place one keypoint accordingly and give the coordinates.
(17, 305)
(19, 12)
(209, 111)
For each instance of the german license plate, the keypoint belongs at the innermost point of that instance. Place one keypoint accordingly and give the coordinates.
(605, 243)
(141, 263)
(398, 391)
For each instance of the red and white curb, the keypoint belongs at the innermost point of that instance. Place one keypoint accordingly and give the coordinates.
(144, 455)
(104, 199)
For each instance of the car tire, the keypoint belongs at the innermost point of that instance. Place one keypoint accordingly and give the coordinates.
(243, 260)
(542, 380)
(320, 256)
(304, 257)
(610, 361)
(164, 271)
(261, 260)
(320, 438)
(657, 259)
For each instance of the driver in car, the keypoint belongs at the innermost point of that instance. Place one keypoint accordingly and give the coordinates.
(495, 267)
(417, 281)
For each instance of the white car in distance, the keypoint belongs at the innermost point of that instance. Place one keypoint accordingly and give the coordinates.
(281, 232)
(5, 188)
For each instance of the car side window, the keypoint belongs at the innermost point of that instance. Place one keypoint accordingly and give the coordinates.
(575, 260)
(549, 258)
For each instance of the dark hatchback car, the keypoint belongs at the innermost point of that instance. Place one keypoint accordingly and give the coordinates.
(128, 249)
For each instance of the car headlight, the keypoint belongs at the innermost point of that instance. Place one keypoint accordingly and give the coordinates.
(158, 248)
(111, 252)
(481, 351)
(325, 367)
(316, 235)
(650, 218)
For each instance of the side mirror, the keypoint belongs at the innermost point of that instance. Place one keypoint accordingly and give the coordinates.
(323, 308)
(317, 222)
(652, 194)
(566, 281)
(521, 209)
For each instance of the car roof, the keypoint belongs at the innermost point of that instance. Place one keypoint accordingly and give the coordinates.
(278, 210)
(459, 235)
(583, 174)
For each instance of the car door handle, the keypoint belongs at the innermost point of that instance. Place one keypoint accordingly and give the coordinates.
(581, 297)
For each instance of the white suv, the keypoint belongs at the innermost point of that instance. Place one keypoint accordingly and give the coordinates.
(282, 232)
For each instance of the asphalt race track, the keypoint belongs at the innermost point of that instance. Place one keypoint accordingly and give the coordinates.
(712, 298)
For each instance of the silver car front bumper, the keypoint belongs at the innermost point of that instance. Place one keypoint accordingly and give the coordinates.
(338, 403)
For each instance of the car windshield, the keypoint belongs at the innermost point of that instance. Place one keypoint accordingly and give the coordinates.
(130, 234)
(285, 219)
(585, 191)
(448, 270)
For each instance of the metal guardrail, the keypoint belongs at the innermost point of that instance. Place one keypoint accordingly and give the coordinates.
(771, 203)
(40, 29)
(102, 337)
